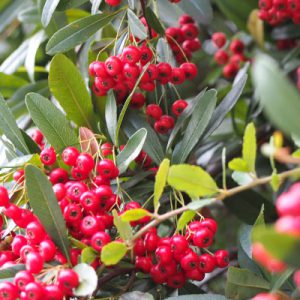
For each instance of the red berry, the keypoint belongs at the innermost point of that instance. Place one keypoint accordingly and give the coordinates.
(237, 47)
(131, 54)
(222, 258)
(37, 136)
(48, 156)
(137, 100)
(221, 57)
(59, 191)
(113, 65)
(265, 4)
(4, 198)
(151, 241)
(22, 278)
(289, 225)
(34, 291)
(89, 201)
(176, 281)
(169, 121)
(107, 169)
(53, 292)
(72, 213)
(190, 31)
(178, 107)
(139, 248)
(195, 274)
(185, 19)
(178, 76)
(297, 278)
(203, 238)
(47, 250)
(164, 72)
(154, 111)
(58, 175)
(104, 83)
(18, 242)
(179, 244)
(265, 296)
(35, 232)
(85, 162)
(67, 279)
(143, 263)
(190, 70)
(288, 203)
(161, 126)
(113, 2)
(8, 291)
(189, 261)
(34, 262)
(219, 39)
(209, 223)
(90, 225)
(173, 33)
(146, 55)
(18, 176)
(164, 254)
(207, 263)
(157, 275)
(99, 240)
(230, 70)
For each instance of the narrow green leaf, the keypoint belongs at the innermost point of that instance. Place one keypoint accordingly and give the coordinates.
(11, 271)
(77, 32)
(198, 297)
(152, 146)
(48, 10)
(277, 94)
(197, 204)
(275, 181)
(67, 4)
(185, 218)
(160, 182)
(112, 253)
(123, 227)
(154, 21)
(131, 150)
(192, 179)
(111, 115)
(51, 121)
(244, 284)
(88, 255)
(249, 147)
(10, 128)
(9, 84)
(134, 214)
(238, 164)
(88, 280)
(165, 53)
(69, 89)
(199, 121)
(137, 28)
(44, 204)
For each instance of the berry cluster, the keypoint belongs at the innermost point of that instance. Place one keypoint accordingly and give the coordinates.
(231, 60)
(174, 260)
(288, 208)
(184, 40)
(122, 72)
(276, 12)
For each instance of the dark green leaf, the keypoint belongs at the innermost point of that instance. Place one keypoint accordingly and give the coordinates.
(11, 271)
(44, 204)
(154, 21)
(152, 146)
(131, 150)
(192, 179)
(277, 95)
(112, 253)
(199, 121)
(10, 128)
(290, 31)
(198, 297)
(67, 4)
(77, 32)
(51, 122)
(69, 89)
(136, 295)
(31, 144)
(111, 115)
(137, 28)
(244, 284)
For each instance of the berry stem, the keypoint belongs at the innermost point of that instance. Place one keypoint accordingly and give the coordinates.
(221, 196)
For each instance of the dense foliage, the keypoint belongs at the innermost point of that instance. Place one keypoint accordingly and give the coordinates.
(149, 149)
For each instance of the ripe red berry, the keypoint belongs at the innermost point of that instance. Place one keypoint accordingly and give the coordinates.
(137, 100)
(151, 240)
(178, 107)
(58, 175)
(131, 54)
(221, 57)
(99, 240)
(47, 250)
(89, 201)
(297, 278)
(237, 47)
(203, 238)
(195, 274)
(179, 244)
(169, 120)
(288, 203)
(176, 281)
(139, 248)
(107, 169)
(189, 261)
(113, 65)
(19, 176)
(146, 55)
(53, 292)
(143, 264)
(85, 162)
(157, 275)
(230, 70)
(161, 126)
(67, 279)
(222, 258)
(190, 70)
(164, 254)
(90, 225)
(185, 19)
(113, 2)
(190, 31)
(37, 136)
(34, 291)
(4, 198)
(154, 111)
(207, 263)
(59, 191)
(22, 278)
(48, 156)
(34, 262)
(35, 232)
(209, 223)
(72, 213)
(178, 76)
(289, 225)
(8, 291)
(219, 39)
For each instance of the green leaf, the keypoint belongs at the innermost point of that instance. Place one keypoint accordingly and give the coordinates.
(10, 128)
(137, 28)
(201, 11)
(51, 121)
(238, 164)
(165, 53)
(277, 94)
(77, 32)
(48, 10)
(9, 84)
(289, 31)
(282, 246)
(67, 4)
(160, 182)
(44, 204)
(199, 121)
(192, 179)
(123, 227)
(112, 253)
(111, 115)
(275, 181)
(136, 295)
(195, 205)
(131, 150)
(88, 255)
(154, 21)
(249, 147)
(69, 89)
(88, 280)
(11, 271)
(152, 146)
(185, 218)
(134, 214)
(198, 297)
(244, 284)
